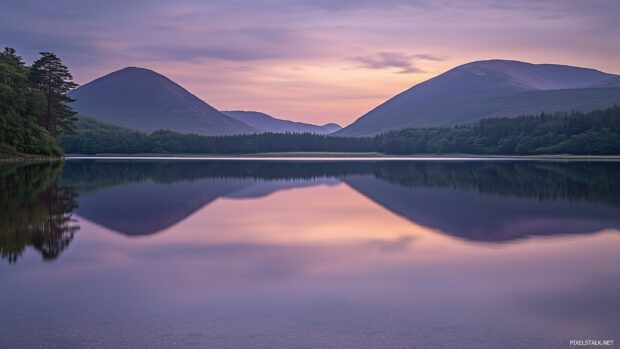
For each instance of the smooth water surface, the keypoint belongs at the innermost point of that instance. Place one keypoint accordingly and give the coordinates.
(309, 254)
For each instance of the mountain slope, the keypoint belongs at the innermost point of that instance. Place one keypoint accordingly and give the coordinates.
(494, 88)
(267, 123)
(143, 100)
(611, 82)
(332, 127)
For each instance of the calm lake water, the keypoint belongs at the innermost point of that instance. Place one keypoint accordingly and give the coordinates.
(309, 254)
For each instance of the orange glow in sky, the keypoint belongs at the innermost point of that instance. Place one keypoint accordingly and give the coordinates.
(310, 60)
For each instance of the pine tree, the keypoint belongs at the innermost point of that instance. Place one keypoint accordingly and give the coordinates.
(52, 81)
(13, 82)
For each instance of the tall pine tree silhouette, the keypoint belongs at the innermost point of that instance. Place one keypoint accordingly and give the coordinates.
(52, 81)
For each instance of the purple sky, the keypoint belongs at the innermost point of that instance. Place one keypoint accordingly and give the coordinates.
(316, 61)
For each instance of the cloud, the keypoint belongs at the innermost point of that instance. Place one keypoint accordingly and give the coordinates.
(272, 34)
(354, 5)
(199, 53)
(427, 57)
(255, 49)
(389, 60)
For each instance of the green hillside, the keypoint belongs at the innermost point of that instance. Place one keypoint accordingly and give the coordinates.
(593, 133)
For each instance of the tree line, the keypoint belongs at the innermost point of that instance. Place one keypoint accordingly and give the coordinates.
(94, 137)
(593, 133)
(33, 104)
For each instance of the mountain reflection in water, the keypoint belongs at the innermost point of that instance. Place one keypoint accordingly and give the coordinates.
(487, 201)
(307, 254)
(481, 201)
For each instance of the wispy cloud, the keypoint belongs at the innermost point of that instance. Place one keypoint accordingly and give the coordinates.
(390, 60)
(356, 5)
(248, 53)
(199, 53)
(427, 57)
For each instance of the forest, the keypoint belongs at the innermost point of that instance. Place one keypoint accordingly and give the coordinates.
(33, 105)
(593, 133)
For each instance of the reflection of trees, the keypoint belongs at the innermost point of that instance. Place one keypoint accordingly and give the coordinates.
(91, 175)
(34, 211)
(584, 181)
(476, 201)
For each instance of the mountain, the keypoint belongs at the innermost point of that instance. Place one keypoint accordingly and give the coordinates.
(332, 127)
(611, 82)
(143, 100)
(493, 88)
(267, 123)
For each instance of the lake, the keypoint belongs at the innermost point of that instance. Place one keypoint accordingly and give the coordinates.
(147, 253)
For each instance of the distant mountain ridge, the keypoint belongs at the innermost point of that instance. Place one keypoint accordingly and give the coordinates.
(267, 123)
(332, 127)
(143, 100)
(492, 88)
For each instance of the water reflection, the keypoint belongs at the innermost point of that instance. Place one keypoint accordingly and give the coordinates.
(479, 201)
(35, 211)
(318, 254)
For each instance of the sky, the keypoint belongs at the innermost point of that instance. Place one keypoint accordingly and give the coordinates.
(315, 61)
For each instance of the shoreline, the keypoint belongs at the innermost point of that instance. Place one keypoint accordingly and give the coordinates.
(30, 159)
(337, 156)
(315, 156)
